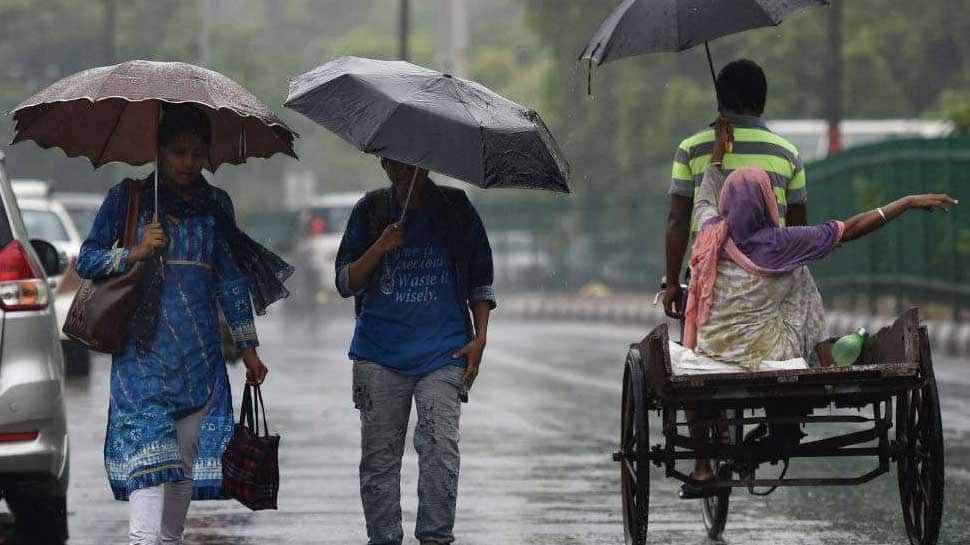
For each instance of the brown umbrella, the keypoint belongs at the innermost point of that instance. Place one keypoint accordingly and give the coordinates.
(111, 114)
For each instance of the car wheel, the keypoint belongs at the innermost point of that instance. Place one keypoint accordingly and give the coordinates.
(77, 359)
(40, 512)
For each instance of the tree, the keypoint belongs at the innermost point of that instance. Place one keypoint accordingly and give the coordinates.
(900, 59)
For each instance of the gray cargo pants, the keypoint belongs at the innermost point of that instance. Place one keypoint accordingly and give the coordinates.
(383, 397)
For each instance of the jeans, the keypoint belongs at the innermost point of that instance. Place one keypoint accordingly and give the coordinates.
(383, 397)
(156, 514)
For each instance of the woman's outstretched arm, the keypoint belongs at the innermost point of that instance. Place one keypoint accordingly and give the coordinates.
(862, 224)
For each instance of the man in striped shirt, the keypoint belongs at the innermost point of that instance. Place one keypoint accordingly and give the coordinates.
(742, 90)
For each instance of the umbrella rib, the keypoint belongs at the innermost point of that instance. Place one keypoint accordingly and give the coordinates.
(373, 135)
(104, 81)
(377, 129)
(212, 104)
(111, 134)
(481, 128)
(22, 130)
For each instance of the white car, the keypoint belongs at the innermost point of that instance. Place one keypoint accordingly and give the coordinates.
(322, 222)
(82, 209)
(50, 220)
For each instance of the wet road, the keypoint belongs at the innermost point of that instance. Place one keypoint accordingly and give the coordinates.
(536, 444)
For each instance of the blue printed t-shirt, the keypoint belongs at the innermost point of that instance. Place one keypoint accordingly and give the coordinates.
(412, 320)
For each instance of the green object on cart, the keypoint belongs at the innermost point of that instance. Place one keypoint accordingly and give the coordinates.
(847, 349)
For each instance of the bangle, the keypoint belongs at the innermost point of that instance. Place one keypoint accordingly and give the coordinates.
(882, 214)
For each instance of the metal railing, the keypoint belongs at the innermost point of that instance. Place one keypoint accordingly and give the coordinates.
(616, 236)
(921, 258)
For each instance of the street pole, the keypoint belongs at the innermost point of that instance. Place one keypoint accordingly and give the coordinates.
(110, 8)
(459, 37)
(205, 13)
(834, 98)
(404, 30)
(102, 177)
(451, 36)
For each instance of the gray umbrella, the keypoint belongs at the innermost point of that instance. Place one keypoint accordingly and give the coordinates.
(422, 117)
(649, 26)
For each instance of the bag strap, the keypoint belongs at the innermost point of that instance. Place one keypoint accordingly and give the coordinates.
(260, 408)
(246, 411)
(252, 406)
(131, 215)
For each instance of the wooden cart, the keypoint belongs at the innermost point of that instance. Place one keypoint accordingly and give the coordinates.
(894, 371)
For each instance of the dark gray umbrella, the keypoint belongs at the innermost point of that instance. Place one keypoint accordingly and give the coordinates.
(648, 26)
(422, 117)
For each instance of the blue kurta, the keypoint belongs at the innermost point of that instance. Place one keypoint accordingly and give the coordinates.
(185, 368)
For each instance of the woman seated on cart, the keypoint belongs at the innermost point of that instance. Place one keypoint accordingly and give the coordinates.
(751, 298)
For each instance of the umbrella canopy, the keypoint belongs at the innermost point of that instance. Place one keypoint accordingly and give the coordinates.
(111, 113)
(436, 121)
(648, 26)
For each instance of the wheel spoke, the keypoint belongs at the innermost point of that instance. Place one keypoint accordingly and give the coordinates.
(925, 479)
(918, 462)
(918, 518)
(919, 493)
(631, 472)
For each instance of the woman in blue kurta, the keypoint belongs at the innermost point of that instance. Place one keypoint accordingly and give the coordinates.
(170, 415)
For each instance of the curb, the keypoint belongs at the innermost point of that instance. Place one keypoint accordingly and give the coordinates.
(949, 337)
(626, 311)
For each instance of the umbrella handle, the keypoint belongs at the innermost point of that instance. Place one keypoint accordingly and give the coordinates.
(158, 122)
(161, 258)
(589, 70)
(710, 63)
(407, 201)
(155, 216)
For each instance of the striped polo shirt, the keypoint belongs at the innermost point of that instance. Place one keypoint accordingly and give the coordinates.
(754, 145)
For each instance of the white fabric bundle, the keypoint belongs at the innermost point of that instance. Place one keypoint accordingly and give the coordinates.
(684, 361)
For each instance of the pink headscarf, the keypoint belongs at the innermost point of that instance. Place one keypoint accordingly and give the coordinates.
(748, 232)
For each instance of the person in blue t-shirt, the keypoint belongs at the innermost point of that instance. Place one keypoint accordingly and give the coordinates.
(415, 280)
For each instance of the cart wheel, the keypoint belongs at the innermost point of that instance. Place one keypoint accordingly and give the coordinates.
(715, 508)
(633, 456)
(920, 463)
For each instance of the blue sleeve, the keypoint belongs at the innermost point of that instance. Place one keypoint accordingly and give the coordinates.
(480, 268)
(232, 285)
(353, 245)
(98, 257)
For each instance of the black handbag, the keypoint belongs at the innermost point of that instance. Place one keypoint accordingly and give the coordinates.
(102, 309)
(250, 465)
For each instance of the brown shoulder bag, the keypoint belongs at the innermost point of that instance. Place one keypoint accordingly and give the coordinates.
(103, 308)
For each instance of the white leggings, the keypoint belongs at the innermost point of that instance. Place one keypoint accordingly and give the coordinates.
(157, 514)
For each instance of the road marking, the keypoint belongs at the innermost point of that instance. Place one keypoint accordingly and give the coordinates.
(557, 374)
